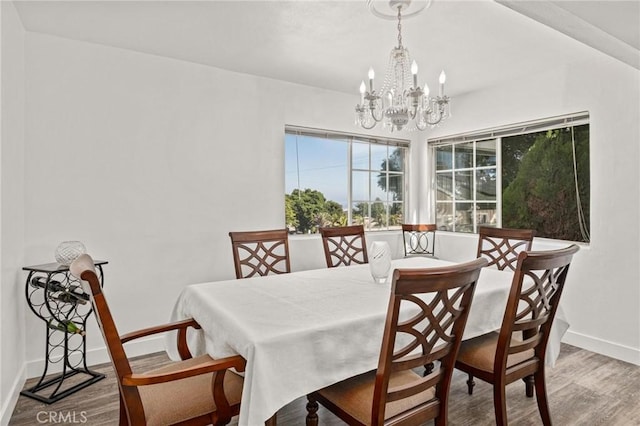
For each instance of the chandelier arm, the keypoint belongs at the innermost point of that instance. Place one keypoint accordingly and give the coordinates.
(379, 117)
(368, 127)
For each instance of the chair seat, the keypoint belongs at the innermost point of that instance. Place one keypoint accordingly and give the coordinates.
(480, 352)
(355, 395)
(160, 401)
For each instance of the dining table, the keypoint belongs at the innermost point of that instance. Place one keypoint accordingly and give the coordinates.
(302, 331)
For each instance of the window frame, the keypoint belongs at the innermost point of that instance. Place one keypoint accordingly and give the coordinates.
(350, 139)
(497, 134)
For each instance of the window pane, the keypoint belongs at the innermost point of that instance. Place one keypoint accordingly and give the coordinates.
(360, 214)
(378, 186)
(444, 186)
(464, 185)
(464, 155)
(379, 157)
(444, 157)
(486, 153)
(486, 214)
(378, 215)
(317, 164)
(396, 215)
(444, 216)
(486, 184)
(360, 185)
(360, 156)
(396, 187)
(539, 183)
(396, 159)
(464, 217)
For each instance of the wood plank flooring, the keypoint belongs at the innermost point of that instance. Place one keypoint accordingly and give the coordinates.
(584, 388)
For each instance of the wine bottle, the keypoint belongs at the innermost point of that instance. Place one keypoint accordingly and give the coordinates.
(68, 297)
(68, 326)
(42, 283)
(78, 293)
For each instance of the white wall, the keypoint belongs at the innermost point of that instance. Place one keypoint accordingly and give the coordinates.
(151, 162)
(12, 300)
(602, 298)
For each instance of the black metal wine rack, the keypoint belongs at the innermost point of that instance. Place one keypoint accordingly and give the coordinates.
(57, 298)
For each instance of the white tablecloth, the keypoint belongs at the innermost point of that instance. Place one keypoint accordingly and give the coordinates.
(303, 331)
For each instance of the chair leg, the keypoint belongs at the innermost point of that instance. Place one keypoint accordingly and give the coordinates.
(470, 384)
(428, 369)
(529, 383)
(500, 404)
(541, 397)
(124, 421)
(312, 412)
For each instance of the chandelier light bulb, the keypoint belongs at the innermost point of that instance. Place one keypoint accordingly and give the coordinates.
(414, 71)
(372, 74)
(426, 91)
(442, 79)
(363, 89)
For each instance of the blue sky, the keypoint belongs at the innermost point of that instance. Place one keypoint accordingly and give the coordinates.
(322, 166)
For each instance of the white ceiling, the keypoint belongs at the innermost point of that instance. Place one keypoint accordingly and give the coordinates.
(331, 44)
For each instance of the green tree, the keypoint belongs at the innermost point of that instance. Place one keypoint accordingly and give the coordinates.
(308, 209)
(542, 195)
(291, 219)
(307, 205)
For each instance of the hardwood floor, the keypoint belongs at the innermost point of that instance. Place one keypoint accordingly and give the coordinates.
(584, 388)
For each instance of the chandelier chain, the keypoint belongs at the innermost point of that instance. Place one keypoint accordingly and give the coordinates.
(399, 27)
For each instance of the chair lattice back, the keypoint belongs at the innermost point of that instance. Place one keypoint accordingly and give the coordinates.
(436, 302)
(419, 239)
(537, 286)
(258, 253)
(344, 245)
(501, 246)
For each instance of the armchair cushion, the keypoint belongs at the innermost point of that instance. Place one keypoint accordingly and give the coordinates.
(167, 403)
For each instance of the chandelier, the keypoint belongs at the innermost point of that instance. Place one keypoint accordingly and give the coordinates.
(401, 103)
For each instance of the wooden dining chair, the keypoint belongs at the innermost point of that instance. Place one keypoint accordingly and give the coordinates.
(419, 239)
(501, 246)
(194, 391)
(426, 317)
(517, 351)
(258, 253)
(344, 245)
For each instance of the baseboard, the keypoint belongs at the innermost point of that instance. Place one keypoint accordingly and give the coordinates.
(603, 347)
(100, 355)
(13, 394)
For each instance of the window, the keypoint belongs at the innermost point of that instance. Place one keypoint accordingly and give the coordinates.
(341, 179)
(533, 176)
